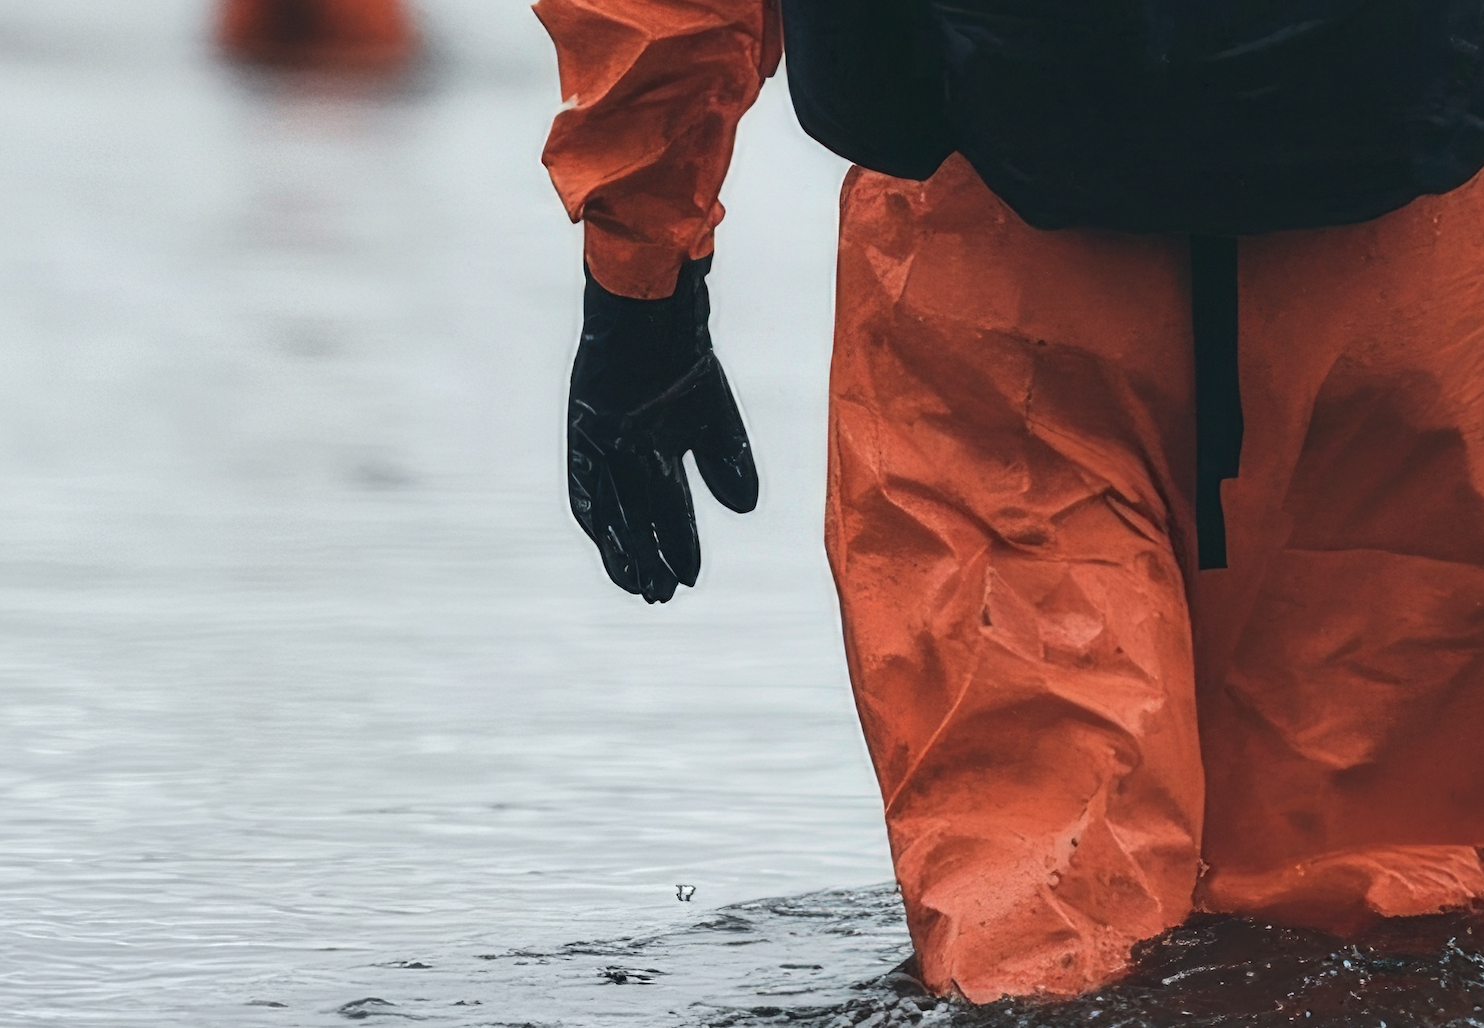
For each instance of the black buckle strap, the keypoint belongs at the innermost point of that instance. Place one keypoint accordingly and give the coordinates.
(1218, 397)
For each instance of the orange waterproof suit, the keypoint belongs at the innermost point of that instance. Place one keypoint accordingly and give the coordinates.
(319, 33)
(1079, 737)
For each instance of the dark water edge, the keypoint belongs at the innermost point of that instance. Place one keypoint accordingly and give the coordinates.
(1214, 972)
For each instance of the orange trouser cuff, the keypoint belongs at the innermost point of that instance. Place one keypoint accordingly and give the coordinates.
(628, 267)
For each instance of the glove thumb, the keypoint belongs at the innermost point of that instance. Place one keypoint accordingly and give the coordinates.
(723, 454)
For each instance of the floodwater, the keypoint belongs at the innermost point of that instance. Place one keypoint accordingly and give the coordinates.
(307, 678)
(316, 707)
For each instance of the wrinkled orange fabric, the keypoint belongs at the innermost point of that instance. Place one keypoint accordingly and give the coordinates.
(652, 93)
(1079, 738)
(1342, 655)
(1010, 457)
(317, 32)
(1011, 529)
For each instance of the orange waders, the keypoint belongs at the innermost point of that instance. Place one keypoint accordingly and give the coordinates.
(1010, 525)
(1079, 737)
(362, 33)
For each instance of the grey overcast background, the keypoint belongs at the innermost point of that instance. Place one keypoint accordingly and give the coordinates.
(314, 703)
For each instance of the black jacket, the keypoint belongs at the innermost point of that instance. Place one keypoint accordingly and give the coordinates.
(1225, 117)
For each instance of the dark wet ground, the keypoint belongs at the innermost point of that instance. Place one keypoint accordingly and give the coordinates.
(1215, 972)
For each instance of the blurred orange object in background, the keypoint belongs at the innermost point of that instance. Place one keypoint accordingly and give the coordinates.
(317, 33)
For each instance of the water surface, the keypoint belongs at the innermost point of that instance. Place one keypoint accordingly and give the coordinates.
(306, 677)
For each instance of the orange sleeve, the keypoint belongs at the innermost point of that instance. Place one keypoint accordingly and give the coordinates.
(653, 91)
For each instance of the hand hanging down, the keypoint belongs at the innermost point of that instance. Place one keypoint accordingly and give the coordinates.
(646, 388)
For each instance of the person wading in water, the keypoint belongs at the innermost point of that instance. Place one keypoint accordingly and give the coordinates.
(1156, 439)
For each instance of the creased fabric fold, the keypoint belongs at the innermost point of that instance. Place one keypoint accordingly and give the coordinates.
(653, 91)
(1081, 738)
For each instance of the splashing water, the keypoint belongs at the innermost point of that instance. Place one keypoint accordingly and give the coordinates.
(835, 960)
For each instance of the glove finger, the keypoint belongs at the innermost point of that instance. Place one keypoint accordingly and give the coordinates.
(673, 515)
(619, 560)
(723, 453)
(635, 477)
(595, 501)
(582, 477)
(615, 538)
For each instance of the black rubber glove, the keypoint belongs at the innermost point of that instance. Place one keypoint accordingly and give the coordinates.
(646, 387)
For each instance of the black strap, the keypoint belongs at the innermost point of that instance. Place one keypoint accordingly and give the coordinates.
(1218, 398)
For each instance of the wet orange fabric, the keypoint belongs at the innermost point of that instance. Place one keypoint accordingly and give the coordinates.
(653, 91)
(1010, 458)
(1010, 524)
(1342, 655)
(317, 32)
